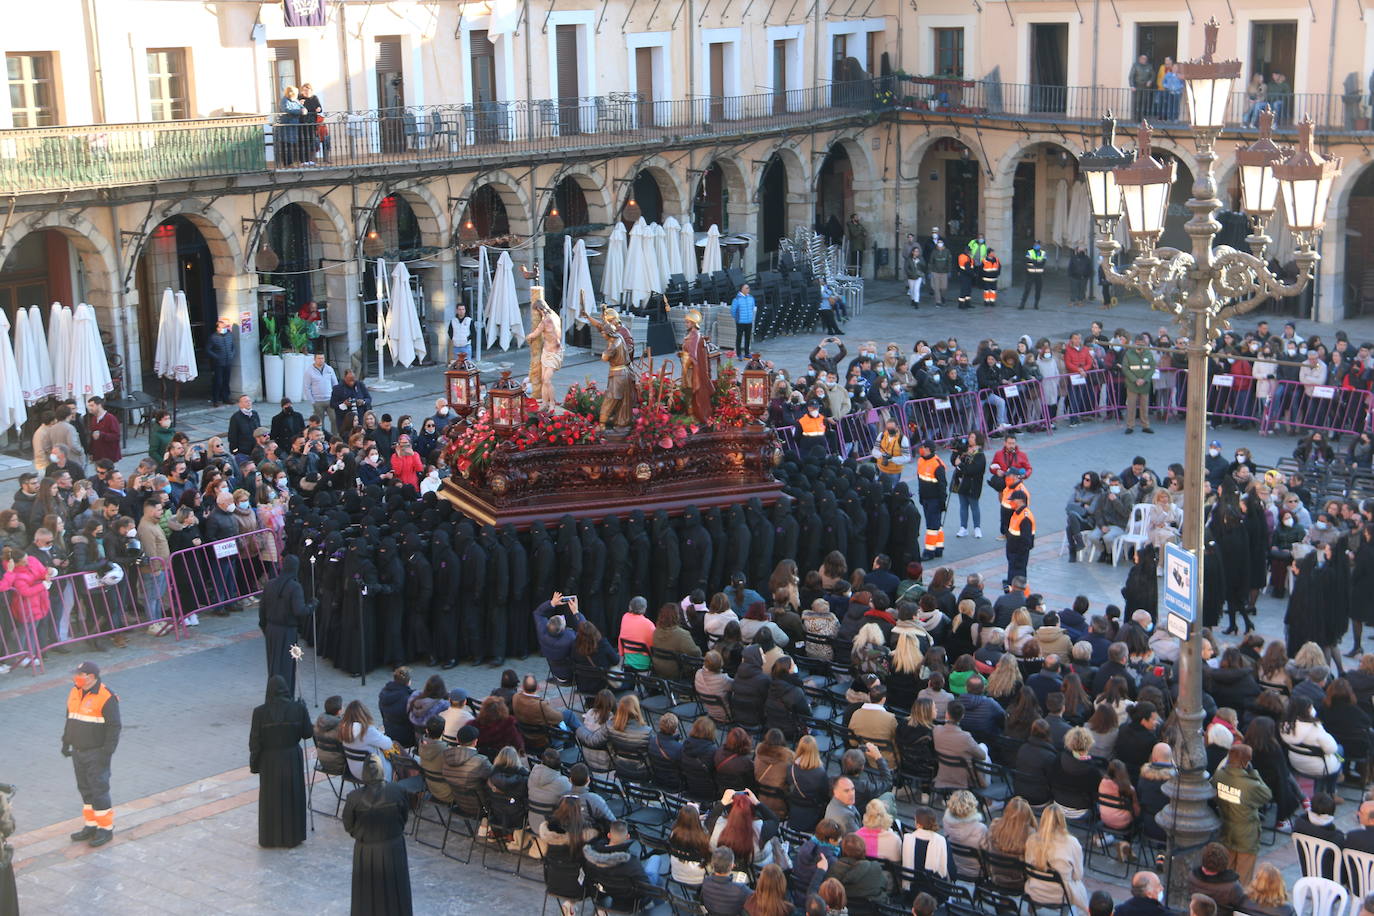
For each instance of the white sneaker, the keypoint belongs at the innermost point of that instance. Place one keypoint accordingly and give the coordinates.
(193, 621)
(25, 661)
(962, 532)
(4, 669)
(977, 532)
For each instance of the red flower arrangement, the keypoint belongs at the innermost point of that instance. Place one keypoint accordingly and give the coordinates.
(656, 427)
(473, 450)
(584, 400)
(727, 404)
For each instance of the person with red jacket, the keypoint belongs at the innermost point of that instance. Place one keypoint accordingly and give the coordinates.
(406, 466)
(1078, 362)
(27, 577)
(1008, 457)
(103, 427)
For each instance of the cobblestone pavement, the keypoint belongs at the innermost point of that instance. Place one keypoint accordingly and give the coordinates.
(186, 807)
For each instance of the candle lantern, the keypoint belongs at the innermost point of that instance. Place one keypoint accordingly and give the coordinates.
(507, 404)
(755, 383)
(463, 383)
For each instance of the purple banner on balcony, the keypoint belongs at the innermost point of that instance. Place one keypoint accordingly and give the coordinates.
(306, 12)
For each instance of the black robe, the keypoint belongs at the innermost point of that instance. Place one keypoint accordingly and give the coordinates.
(666, 564)
(760, 567)
(858, 552)
(902, 544)
(496, 596)
(834, 527)
(358, 623)
(280, 613)
(1214, 577)
(591, 595)
(786, 531)
(274, 753)
(569, 547)
(519, 625)
(695, 546)
(1257, 538)
(639, 583)
(419, 596)
(391, 613)
(1141, 591)
(1318, 608)
(543, 562)
(810, 532)
(472, 564)
(375, 816)
(1234, 544)
(1362, 583)
(328, 611)
(717, 576)
(737, 542)
(443, 564)
(617, 584)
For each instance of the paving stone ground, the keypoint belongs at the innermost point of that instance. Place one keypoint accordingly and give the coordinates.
(186, 821)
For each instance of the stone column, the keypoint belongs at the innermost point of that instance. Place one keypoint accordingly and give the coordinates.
(440, 292)
(873, 209)
(236, 295)
(995, 221)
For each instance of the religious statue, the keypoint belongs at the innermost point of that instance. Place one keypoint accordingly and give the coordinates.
(547, 336)
(619, 399)
(696, 370)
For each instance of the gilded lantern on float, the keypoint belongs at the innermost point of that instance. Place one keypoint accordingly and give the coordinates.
(464, 386)
(755, 383)
(506, 404)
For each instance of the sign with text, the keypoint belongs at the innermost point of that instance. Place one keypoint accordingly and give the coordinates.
(226, 549)
(1180, 583)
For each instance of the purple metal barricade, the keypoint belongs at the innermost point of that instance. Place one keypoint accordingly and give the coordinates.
(858, 432)
(1295, 406)
(1084, 395)
(1232, 397)
(1013, 407)
(221, 573)
(1168, 398)
(18, 634)
(943, 419)
(787, 438)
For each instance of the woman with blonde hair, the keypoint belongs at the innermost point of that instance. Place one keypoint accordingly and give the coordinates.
(1052, 847)
(629, 735)
(881, 841)
(1019, 631)
(1309, 655)
(1267, 895)
(869, 653)
(1006, 836)
(904, 683)
(963, 824)
(808, 786)
(1005, 681)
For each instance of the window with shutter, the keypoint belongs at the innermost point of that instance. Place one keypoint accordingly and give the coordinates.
(566, 53)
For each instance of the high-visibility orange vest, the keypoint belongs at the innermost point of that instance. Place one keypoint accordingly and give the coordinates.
(1008, 492)
(927, 468)
(1016, 525)
(812, 426)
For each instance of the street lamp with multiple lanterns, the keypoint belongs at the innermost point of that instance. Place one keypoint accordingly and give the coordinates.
(1202, 288)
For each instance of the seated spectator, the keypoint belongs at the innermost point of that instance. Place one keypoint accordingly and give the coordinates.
(1076, 775)
(357, 733)
(864, 880)
(1022, 712)
(563, 836)
(881, 841)
(829, 900)
(842, 809)
(733, 763)
(431, 752)
(457, 715)
(915, 734)
(629, 740)
(594, 734)
(935, 692)
(509, 687)
(698, 761)
(1051, 846)
(808, 786)
(963, 669)
(665, 754)
(1051, 639)
(1214, 877)
(592, 650)
(496, 728)
(723, 891)
(925, 849)
(711, 680)
(689, 847)
(719, 615)
(1049, 679)
(547, 785)
(871, 775)
(613, 861)
(1347, 723)
(1054, 719)
(824, 843)
(963, 825)
(1125, 808)
(1078, 706)
(739, 825)
(872, 722)
(770, 894)
(637, 628)
(532, 709)
(740, 595)
(327, 729)
(1036, 761)
(983, 716)
(671, 636)
(869, 653)
(1300, 728)
(507, 788)
(555, 624)
(1138, 736)
(1103, 726)
(1362, 838)
(1007, 836)
(1320, 822)
(1232, 683)
(1147, 897)
(750, 691)
(821, 622)
(772, 759)
(786, 704)
(1267, 895)
(952, 741)
(598, 812)
(391, 705)
(464, 767)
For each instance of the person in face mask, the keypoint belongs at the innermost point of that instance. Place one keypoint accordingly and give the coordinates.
(941, 262)
(1112, 518)
(812, 428)
(1217, 465)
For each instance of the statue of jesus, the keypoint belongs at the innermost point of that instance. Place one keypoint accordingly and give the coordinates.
(547, 333)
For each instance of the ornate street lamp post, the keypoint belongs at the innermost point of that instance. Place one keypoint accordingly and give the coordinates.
(1202, 288)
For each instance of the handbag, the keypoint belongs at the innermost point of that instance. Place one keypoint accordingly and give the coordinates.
(997, 482)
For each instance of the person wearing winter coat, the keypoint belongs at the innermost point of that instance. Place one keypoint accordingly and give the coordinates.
(27, 577)
(1241, 794)
(786, 703)
(1301, 729)
(391, 704)
(750, 690)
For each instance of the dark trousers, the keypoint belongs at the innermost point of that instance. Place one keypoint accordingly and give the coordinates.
(1036, 282)
(93, 777)
(219, 389)
(1017, 560)
(744, 338)
(1078, 289)
(828, 319)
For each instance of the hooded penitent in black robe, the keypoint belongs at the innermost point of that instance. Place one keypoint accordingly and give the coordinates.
(858, 553)
(1362, 582)
(519, 627)
(786, 531)
(760, 546)
(472, 565)
(443, 564)
(617, 582)
(329, 573)
(694, 543)
(665, 564)
(280, 613)
(495, 597)
(274, 753)
(906, 528)
(591, 586)
(1319, 608)
(569, 547)
(716, 574)
(809, 532)
(419, 596)
(637, 533)
(390, 610)
(834, 526)
(357, 623)
(375, 816)
(737, 542)
(543, 561)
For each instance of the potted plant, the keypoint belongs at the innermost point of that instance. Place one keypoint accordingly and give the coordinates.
(296, 358)
(273, 368)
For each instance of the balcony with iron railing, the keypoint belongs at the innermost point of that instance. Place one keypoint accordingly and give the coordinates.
(110, 155)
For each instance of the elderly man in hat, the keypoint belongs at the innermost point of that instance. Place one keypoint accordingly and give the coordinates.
(619, 400)
(90, 738)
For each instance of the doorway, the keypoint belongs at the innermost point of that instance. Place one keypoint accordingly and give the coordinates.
(486, 110)
(1049, 55)
(712, 200)
(648, 196)
(717, 77)
(1274, 49)
(779, 77)
(772, 207)
(391, 93)
(644, 84)
(177, 257)
(1156, 40)
(1022, 214)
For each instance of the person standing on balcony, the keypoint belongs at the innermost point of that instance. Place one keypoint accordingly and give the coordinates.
(857, 233)
(222, 349)
(1280, 95)
(940, 263)
(288, 132)
(315, 134)
(915, 269)
(991, 269)
(1035, 274)
(1142, 78)
(742, 310)
(1170, 91)
(1257, 95)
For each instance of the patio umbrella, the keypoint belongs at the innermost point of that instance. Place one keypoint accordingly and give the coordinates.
(638, 272)
(43, 356)
(567, 269)
(59, 347)
(579, 298)
(90, 373)
(672, 231)
(1080, 218)
(404, 337)
(1059, 221)
(710, 260)
(166, 334)
(12, 409)
(662, 265)
(24, 359)
(503, 308)
(687, 241)
(175, 355)
(613, 274)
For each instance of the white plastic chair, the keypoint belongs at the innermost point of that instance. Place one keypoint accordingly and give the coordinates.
(1359, 873)
(1313, 856)
(1136, 532)
(1327, 897)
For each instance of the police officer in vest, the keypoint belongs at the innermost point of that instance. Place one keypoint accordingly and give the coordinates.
(967, 269)
(1020, 538)
(892, 452)
(991, 270)
(90, 739)
(933, 491)
(1035, 274)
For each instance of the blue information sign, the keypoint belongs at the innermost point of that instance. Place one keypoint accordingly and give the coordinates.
(1180, 582)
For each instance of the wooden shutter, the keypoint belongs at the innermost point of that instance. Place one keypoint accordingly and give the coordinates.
(779, 77)
(388, 55)
(567, 61)
(644, 84)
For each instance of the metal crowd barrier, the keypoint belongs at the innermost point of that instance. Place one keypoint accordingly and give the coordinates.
(219, 573)
(18, 636)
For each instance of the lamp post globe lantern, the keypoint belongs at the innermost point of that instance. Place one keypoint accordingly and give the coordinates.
(1099, 170)
(1305, 180)
(1259, 186)
(1145, 186)
(1207, 84)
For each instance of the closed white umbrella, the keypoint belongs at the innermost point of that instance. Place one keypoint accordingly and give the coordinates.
(504, 321)
(710, 260)
(59, 347)
(579, 298)
(12, 409)
(183, 367)
(30, 383)
(663, 266)
(404, 336)
(1059, 218)
(639, 280)
(687, 240)
(567, 271)
(672, 231)
(90, 372)
(163, 357)
(43, 357)
(1080, 217)
(613, 274)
